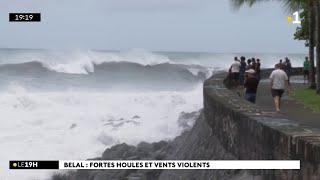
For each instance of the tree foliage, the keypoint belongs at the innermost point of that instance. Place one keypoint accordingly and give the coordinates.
(289, 5)
(302, 32)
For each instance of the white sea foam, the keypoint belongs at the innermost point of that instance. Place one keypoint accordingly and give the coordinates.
(81, 124)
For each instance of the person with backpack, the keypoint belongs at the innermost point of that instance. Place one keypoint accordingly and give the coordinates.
(251, 86)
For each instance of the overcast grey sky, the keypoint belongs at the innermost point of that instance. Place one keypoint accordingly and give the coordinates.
(172, 25)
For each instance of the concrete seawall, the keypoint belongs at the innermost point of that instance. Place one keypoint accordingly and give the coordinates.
(250, 132)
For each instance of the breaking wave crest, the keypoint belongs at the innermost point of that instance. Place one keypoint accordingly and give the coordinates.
(107, 75)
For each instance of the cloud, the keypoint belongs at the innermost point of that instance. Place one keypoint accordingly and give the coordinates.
(110, 5)
(149, 4)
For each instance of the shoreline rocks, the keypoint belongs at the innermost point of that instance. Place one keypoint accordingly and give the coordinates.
(197, 143)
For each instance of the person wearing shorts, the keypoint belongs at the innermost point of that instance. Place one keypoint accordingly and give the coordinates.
(277, 92)
(279, 82)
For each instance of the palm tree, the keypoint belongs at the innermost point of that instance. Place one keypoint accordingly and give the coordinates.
(312, 9)
(291, 5)
(317, 5)
(312, 25)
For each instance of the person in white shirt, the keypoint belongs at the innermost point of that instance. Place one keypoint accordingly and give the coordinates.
(279, 82)
(235, 71)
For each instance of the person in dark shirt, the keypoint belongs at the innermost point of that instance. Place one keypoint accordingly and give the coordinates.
(248, 64)
(253, 64)
(258, 69)
(251, 85)
(287, 67)
(280, 64)
(243, 66)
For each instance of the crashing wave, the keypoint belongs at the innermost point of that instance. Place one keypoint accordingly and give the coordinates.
(107, 75)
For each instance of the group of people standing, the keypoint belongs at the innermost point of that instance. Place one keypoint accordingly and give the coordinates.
(239, 67)
(247, 74)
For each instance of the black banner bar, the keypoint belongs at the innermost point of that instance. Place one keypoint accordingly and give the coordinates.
(27, 164)
(24, 17)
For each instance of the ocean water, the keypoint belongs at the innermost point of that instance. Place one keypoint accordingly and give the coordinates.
(57, 104)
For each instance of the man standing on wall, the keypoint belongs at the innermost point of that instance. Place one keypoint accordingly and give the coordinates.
(243, 66)
(279, 82)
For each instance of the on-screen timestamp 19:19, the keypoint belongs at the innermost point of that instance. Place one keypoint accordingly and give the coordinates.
(24, 17)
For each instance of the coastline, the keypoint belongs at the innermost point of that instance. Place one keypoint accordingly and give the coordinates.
(224, 130)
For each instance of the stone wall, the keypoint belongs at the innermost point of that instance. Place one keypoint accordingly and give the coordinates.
(250, 132)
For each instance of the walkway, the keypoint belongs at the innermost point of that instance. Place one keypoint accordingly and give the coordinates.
(293, 110)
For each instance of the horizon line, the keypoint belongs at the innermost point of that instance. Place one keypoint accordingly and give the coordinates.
(155, 51)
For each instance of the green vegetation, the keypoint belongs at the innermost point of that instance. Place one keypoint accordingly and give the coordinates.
(302, 32)
(308, 97)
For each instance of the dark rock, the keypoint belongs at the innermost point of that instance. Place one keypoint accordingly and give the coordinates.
(136, 117)
(118, 125)
(73, 126)
(190, 145)
(186, 120)
(119, 152)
